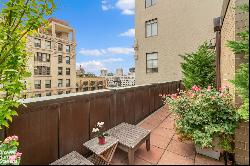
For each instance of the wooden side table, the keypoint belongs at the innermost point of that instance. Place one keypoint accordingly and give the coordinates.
(72, 158)
(103, 154)
(130, 138)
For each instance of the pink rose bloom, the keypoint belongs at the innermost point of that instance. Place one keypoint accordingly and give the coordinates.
(7, 140)
(15, 137)
(18, 154)
(196, 88)
(209, 88)
(12, 158)
(174, 96)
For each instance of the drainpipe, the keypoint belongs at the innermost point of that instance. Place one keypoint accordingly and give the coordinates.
(217, 30)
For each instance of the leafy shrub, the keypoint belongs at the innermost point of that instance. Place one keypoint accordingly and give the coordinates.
(241, 80)
(8, 151)
(203, 115)
(198, 67)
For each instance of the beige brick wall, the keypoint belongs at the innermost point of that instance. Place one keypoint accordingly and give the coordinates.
(234, 22)
(53, 64)
(183, 25)
(242, 144)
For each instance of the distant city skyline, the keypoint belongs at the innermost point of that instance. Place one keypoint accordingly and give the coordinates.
(104, 32)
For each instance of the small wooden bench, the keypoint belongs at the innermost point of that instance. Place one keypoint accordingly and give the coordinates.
(130, 138)
(72, 158)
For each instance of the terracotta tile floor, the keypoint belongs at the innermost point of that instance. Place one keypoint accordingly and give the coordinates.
(166, 148)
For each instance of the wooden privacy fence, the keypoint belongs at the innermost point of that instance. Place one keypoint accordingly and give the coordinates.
(50, 127)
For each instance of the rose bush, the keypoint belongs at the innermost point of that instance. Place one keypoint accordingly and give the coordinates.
(8, 151)
(203, 115)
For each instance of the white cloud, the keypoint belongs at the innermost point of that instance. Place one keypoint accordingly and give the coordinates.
(120, 50)
(96, 65)
(106, 6)
(128, 33)
(91, 66)
(93, 52)
(127, 6)
(107, 51)
(111, 60)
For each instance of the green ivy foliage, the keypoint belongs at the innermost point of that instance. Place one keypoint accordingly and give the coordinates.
(198, 67)
(204, 115)
(241, 81)
(18, 18)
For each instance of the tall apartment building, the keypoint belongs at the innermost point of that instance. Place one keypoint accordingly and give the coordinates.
(104, 72)
(52, 61)
(119, 72)
(164, 29)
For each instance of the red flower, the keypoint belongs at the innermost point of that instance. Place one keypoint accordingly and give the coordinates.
(174, 96)
(18, 154)
(209, 88)
(196, 88)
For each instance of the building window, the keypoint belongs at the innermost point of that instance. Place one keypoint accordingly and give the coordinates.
(42, 70)
(46, 57)
(60, 83)
(60, 92)
(68, 83)
(68, 92)
(67, 71)
(38, 95)
(38, 57)
(149, 3)
(60, 59)
(37, 43)
(67, 60)
(48, 94)
(48, 44)
(60, 47)
(152, 63)
(152, 28)
(42, 57)
(37, 84)
(47, 83)
(60, 71)
(68, 48)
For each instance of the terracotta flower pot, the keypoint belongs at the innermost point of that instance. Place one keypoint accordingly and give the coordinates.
(102, 140)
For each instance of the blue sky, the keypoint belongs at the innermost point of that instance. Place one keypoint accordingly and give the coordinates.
(104, 32)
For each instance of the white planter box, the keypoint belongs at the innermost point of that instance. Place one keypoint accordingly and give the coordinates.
(208, 152)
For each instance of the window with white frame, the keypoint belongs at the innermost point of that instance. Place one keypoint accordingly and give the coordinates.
(47, 83)
(152, 62)
(68, 48)
(67, 59)
(37, 84)
(48, 44)
(149, 3)
(60, 59)
(37, 43)
(60, 83)
(60, 71)
(152, 28)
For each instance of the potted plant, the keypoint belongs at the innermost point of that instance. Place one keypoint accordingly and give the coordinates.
(100, 133)
(8, 151)
(207, 117)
